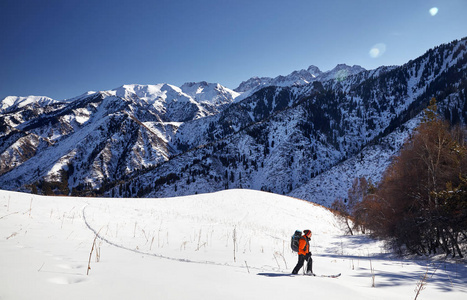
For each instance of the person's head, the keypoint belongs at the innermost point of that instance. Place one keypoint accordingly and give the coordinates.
(307, 233)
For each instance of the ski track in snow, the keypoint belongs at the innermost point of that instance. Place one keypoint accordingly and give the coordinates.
(101, 237)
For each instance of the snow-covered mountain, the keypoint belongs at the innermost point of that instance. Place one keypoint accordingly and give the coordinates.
(11, 103)
(297, 78)
(212, 93)
(307, 134)
(124, 129)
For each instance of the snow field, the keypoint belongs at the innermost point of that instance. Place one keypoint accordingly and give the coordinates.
(183, 248)
(252, 230)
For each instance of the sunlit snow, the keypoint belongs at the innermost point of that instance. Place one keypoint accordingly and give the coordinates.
(226, 245)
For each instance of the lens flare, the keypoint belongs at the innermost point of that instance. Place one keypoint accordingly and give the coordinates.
(433, 11)
(377, 50)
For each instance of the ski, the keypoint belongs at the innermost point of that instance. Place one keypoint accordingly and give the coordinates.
(329, 276)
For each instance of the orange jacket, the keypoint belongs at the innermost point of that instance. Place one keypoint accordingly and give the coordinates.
(303, 246)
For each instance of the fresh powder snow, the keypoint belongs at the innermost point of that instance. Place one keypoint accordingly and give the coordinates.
(233, 244)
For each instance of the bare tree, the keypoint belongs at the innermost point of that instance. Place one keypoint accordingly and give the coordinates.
(414, 203)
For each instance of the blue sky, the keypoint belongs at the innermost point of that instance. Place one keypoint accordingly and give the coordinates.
(63, 48)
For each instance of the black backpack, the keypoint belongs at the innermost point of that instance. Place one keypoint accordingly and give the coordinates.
(295, 239)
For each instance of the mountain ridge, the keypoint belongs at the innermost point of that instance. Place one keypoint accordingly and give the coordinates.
(162, 140)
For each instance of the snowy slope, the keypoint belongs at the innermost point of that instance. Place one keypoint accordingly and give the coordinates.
(211, 93)
(14, 102)
(369, 163)
(183, 248)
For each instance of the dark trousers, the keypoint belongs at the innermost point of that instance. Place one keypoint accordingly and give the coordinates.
(301, 261)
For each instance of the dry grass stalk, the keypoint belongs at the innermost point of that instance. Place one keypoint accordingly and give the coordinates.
(234, 242)
(92, 249)
(373, 284)
(30, 207)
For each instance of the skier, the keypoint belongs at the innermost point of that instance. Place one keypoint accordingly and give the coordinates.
(304, 254)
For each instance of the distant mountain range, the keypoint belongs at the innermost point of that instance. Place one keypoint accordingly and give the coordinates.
(307, 134)
(302, 77)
